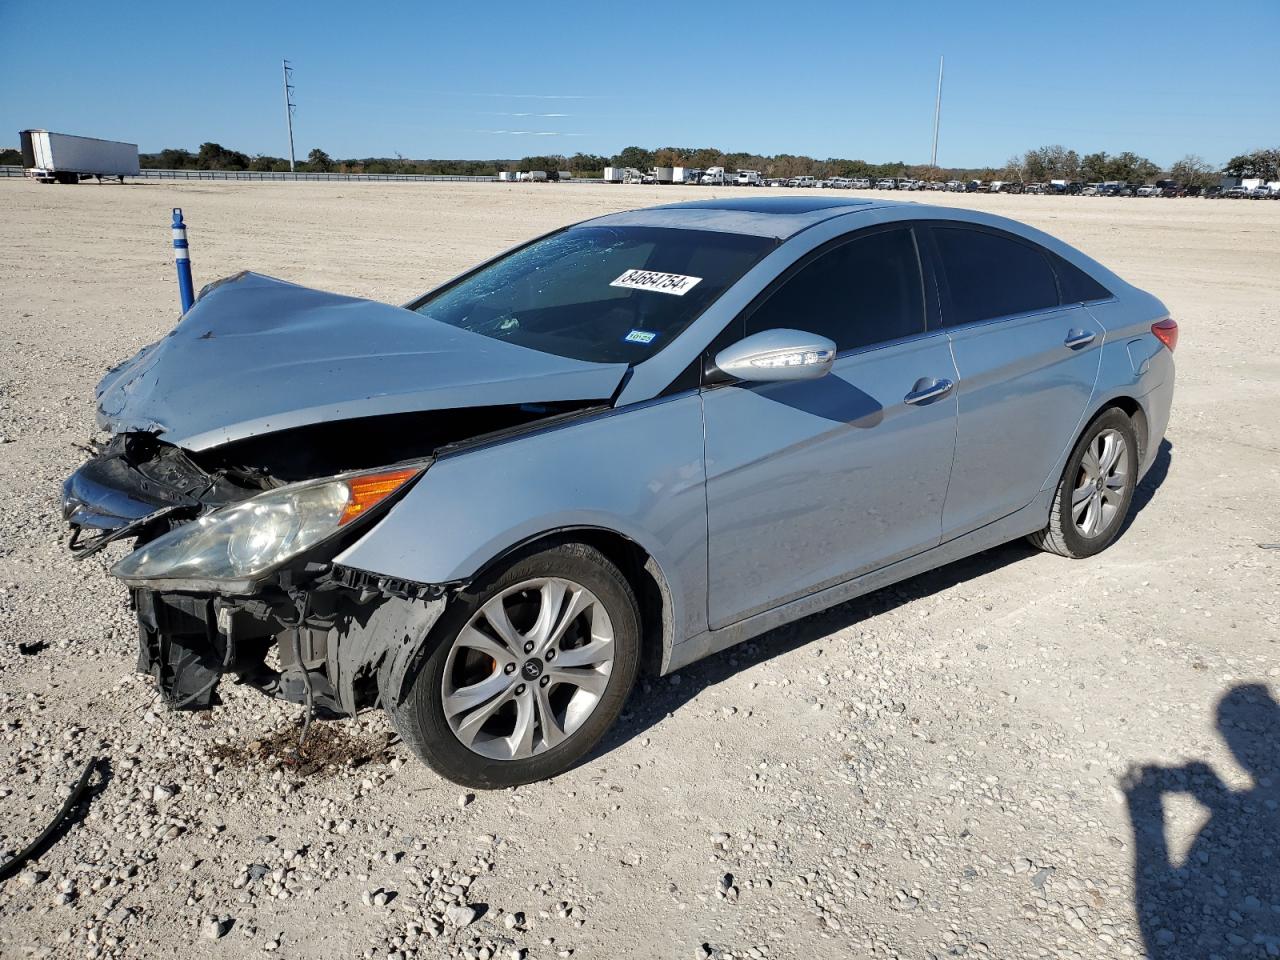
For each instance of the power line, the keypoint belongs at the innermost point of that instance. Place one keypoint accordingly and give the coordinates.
(289, 107)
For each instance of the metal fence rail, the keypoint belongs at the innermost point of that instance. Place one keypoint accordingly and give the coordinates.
(151, 174)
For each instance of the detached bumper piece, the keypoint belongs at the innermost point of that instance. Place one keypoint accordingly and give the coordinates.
(137, 486)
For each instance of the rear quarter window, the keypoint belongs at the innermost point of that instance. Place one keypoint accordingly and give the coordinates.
(991, 275)
(1076, 285)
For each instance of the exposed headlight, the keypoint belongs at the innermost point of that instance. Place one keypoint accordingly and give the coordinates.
(240, 542)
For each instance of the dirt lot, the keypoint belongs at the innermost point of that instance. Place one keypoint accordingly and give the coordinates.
(946, 768)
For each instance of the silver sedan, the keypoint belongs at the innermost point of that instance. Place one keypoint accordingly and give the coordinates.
(632, 442)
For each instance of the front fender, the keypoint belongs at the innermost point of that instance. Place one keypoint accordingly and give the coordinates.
(637, 471)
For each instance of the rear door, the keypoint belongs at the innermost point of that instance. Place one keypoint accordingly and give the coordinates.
(1027, 362)
(810, 483)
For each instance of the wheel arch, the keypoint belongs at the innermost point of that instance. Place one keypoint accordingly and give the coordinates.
(1127, 404)
(640, 568)
(1122, 401)
(1133, 409)
(1055, 535)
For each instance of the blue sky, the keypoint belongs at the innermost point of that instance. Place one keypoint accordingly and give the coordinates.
(499, 80)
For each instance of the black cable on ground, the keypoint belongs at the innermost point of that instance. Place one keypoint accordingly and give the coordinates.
(37, 846)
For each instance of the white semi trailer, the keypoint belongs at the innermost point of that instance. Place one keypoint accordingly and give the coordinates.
(62, 158)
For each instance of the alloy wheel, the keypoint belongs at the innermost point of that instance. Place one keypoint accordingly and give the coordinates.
(1101, 483)
(528, 669)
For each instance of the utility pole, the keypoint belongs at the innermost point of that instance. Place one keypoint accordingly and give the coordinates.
(290, 106)
(937, 117)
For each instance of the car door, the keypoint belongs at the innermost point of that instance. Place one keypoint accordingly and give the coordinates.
(810, 483)
(1027, 362)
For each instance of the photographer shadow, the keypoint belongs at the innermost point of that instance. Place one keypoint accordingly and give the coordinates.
(1223, 899)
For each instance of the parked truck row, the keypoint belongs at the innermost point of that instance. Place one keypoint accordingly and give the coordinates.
(710, 177)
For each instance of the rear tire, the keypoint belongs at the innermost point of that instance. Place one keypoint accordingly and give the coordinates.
(505, 697)
(1095, 491)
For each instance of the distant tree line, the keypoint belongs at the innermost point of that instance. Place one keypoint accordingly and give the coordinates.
(1053, 162)
(1056, 162)
(1260, 163)
(214, 156)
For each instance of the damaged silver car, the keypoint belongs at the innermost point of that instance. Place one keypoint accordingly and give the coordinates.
(637, 440)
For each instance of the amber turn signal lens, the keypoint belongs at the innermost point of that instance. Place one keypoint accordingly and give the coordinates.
(370, 490)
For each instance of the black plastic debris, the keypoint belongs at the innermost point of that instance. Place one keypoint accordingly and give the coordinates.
(52, 831)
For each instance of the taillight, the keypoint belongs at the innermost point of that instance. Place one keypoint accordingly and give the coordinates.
(1166, 332)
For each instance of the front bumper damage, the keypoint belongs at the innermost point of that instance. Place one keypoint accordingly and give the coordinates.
(313, 632)
(329, 644)
(264, 384)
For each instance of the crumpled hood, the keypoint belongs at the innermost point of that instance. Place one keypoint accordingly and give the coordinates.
(256, 355)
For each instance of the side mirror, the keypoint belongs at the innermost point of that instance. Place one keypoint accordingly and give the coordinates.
(778, 355)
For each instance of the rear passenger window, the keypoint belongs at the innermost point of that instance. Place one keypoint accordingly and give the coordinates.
(1076, 285)
(863, 292)
(991, 276)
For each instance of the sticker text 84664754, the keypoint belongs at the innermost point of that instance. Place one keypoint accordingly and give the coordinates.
(673, 283)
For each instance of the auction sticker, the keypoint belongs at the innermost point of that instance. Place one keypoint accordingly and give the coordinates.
(675, 283)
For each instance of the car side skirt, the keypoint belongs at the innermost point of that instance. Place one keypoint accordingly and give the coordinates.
(1027, 520)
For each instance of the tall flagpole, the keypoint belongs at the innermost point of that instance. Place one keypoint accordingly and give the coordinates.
(937, 117)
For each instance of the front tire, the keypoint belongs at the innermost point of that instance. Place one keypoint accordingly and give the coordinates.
(1096, 489)
(527, 670)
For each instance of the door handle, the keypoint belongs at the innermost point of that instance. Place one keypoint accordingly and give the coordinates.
(1079, 338)
(923, 394)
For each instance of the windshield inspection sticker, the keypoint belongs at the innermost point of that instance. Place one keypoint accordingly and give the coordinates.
(659, 282)
(640, 336)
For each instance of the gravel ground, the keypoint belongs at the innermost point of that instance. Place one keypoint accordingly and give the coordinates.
(1016, 756)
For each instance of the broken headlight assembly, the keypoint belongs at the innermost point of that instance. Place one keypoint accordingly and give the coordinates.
(233, 546)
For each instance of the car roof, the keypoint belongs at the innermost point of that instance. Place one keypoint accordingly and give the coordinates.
(777, 217)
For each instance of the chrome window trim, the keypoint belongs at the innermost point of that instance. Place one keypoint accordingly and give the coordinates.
(1006, 318)
(652, 376)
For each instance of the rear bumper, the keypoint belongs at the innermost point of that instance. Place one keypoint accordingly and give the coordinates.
(1157, 405)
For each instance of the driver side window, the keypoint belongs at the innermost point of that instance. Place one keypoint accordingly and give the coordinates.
(863, 292)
